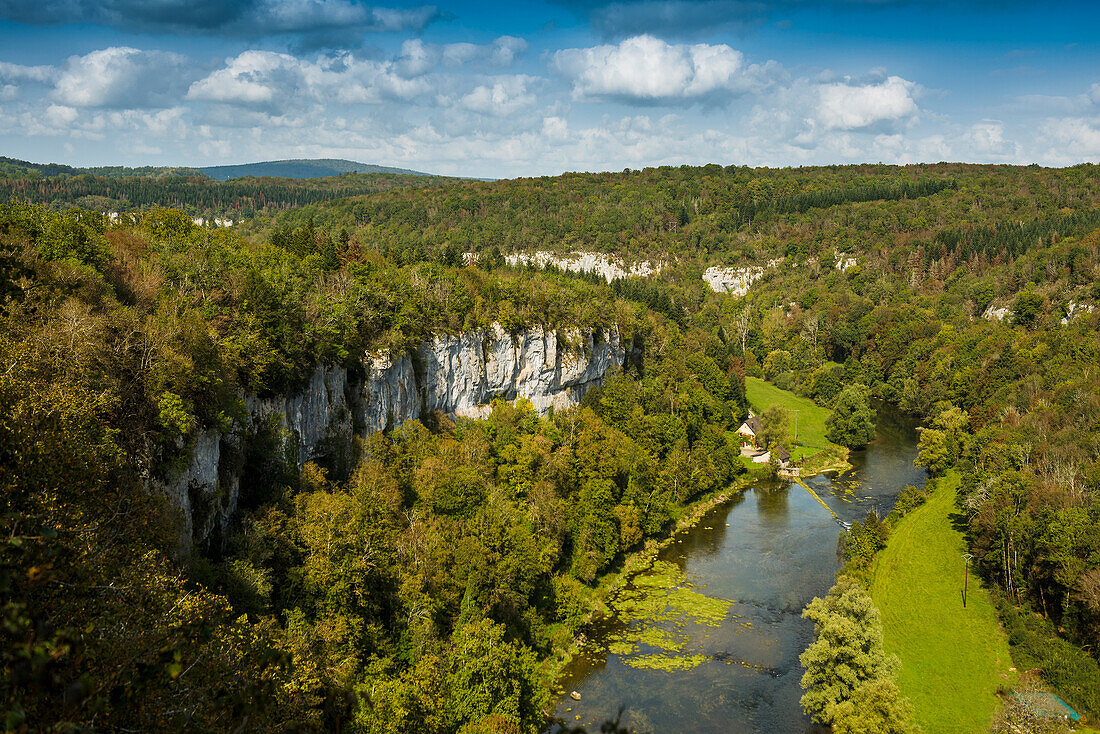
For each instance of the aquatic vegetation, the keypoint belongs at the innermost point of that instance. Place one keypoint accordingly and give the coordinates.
(662, 638)
(707, 610)
(621, 647)
(661, 575)
(666, 662)
(657, 607)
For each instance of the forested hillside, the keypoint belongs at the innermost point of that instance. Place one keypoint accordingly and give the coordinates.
(733, 215)
(426, 585)
(134, 190)
(968, 299)
(300, 168)
(16, 168)
(417, 589)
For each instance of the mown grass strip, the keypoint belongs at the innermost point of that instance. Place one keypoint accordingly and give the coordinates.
(952, 659)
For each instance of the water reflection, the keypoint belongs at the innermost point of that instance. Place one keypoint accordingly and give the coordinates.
(769, 551)
(771, 503)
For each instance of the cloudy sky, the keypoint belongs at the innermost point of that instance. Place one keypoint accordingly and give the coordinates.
(516, 88)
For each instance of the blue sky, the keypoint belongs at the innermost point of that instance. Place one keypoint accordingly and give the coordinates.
(509, 89)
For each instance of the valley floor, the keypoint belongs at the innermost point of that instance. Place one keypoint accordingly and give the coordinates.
(952, 659)
(808, 427)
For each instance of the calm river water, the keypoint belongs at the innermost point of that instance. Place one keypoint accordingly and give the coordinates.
(769, 550)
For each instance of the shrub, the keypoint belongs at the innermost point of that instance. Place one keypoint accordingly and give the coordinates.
(1065, 667)
(909, 499)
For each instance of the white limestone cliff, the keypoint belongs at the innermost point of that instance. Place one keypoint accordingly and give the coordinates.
(389, 395)
(736, 281)
(464, 373)
(1074, 309)
(844, 261)
(457, 374)
(608, 267)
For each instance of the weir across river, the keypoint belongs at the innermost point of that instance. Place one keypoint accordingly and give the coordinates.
(819, 500)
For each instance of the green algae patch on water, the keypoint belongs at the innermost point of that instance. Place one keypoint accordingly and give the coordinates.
(656, 608)
(661, 575)
(621, 647)
(662, 639)
(667, 663)
(702, 609)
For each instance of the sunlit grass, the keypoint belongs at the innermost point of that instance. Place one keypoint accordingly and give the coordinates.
(810, 418)
(952, 659)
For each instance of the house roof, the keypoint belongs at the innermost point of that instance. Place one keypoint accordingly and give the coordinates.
(784, 454)
(753, 423)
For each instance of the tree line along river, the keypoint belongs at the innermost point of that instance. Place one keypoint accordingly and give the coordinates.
(708, 640)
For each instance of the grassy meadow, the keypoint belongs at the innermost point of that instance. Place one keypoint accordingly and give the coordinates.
(952, 659)
(811, 417)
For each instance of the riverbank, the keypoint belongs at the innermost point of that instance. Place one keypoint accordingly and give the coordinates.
(825, 462)
(814, 454)
(637, 562)
(952, 659)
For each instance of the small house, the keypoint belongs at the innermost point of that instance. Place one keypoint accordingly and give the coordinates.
(784, 456)
(750, 429)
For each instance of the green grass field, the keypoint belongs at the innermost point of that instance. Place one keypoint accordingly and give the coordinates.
(811, 417)
(952, 659)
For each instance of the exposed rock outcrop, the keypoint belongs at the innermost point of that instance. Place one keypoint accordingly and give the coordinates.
(1075, 309)
(845, 262)
(463, 374)
(608, 267)
(736, 281)
(457, 374)
(389, 395)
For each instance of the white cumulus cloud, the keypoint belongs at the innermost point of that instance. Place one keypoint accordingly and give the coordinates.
(647, 69)
(505, 96)
(843, 106)
(60, 115)
(276, 81)
(10, 72)
(986, 140)
(122, 77)
(1072, 139)
(418, 58)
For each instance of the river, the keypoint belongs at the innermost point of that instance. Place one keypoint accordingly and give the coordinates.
(767, 552)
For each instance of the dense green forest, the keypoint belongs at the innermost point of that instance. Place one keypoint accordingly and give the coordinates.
(134, 190)
(426, 585)
(714, 215)
(389, 593)
(16, 168)
(300, 168)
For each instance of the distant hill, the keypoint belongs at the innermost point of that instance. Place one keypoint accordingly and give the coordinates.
(16, 168)
(235, 192)
(301, 168)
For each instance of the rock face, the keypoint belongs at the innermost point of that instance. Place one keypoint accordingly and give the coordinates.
(735, 281)
(311, 415)
(1074, 309)
(845, 262)
(463, 374)
(389, 395)
(580, 262)
(459, 375)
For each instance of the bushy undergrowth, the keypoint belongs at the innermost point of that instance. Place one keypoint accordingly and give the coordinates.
(1036, 645)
